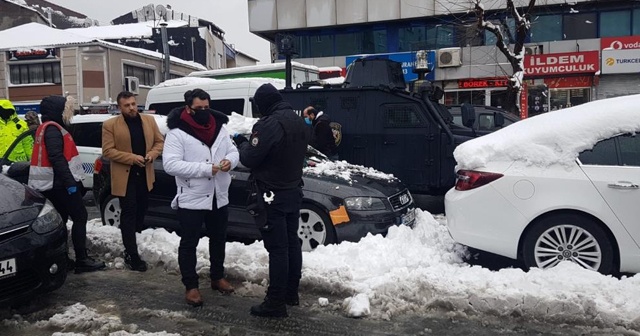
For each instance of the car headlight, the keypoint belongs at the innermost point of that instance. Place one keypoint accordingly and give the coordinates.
(364, 203)
(48, 220)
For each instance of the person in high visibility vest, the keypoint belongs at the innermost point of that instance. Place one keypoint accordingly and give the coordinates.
(56, 171)
(10, 128)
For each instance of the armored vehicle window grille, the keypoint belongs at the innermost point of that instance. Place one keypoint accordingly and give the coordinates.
(319, 103)
(401, 116)
(348, 103)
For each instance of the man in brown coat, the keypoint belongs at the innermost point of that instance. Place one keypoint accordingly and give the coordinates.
(132, 141)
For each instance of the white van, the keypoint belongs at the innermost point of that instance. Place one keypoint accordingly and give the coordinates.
(227, 95)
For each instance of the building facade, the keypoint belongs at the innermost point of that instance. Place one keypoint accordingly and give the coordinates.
(48, 61)
(466, 62)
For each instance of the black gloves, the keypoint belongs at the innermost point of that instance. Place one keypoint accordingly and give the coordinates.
(239, 139)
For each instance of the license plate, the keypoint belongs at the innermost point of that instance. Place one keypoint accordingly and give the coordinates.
(7, 268)
(409, 217)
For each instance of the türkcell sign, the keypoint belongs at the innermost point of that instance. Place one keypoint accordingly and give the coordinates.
(561, 64)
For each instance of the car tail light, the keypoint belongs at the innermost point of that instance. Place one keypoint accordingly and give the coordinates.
(471, 179)
(97, 166)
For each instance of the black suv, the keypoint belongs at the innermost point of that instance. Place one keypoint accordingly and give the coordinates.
(334, 209)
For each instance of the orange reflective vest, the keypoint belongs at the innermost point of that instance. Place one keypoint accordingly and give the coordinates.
(41, 171)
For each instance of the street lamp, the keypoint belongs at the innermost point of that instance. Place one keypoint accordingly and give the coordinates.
(286, 47)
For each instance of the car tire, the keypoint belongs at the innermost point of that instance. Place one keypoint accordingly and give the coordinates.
(110, 211)
(314, 228)
(572, 237)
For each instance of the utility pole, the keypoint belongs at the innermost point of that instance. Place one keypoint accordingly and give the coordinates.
(165, 49)
(286, 48)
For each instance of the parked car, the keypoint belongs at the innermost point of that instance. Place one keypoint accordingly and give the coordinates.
(485, 118)
(532, 200)
(33, 239)
(341, 207)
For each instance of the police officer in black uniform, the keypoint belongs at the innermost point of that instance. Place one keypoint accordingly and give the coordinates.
(275, 153)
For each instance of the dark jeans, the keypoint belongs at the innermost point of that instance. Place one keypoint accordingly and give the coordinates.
(283, 244)
(134, 207)
(190, 232)
(72, 206)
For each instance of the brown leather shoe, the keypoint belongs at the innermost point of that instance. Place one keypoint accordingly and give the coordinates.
(193, 297)
(222, 285)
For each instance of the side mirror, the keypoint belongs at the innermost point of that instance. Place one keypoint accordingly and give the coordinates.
(498, 119)
(468, 115)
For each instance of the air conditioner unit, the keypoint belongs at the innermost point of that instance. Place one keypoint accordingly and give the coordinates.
(533, 50)
(132, 84)
(449, 57)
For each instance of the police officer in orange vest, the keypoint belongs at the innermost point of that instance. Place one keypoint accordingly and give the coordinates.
(56, 171)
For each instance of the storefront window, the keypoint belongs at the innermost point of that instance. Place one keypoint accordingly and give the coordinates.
(563, 98)
(579, 26)
(475, 97)
(498, 97)
(546, 28)
(615, 23)
(635, 30)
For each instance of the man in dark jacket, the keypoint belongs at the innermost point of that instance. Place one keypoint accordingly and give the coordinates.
(322, 138)
(65, 191)
(275, 153)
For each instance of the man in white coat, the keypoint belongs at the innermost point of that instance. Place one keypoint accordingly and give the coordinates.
(199, 152)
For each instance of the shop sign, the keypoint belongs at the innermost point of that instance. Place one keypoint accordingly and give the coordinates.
(407, 59)
(482, 83)
(561, 64)
(620, 43)
(524, 112)
(620, 61)
(30, 54)
(569, 82)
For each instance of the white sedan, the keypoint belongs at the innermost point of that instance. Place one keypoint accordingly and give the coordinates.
(562, 186)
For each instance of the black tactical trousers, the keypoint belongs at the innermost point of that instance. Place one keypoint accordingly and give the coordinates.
(134, 208)
(72, 207)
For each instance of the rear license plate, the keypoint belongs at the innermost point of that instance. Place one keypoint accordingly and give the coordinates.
(7, 268)
(409, 217)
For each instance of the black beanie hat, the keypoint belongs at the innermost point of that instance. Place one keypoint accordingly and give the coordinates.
(51, 108)
(266, 96)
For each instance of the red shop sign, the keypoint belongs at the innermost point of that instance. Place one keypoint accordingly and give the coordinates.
(623, 42)
(569, 82)
(561, 64)
(482, 83)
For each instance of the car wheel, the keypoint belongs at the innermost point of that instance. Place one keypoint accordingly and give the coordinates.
(578, 239)
(110, 211)
(314, 228)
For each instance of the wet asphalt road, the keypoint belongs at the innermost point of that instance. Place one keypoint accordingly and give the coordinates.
(154, 302)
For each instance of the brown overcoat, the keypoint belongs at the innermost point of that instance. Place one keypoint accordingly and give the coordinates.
(116, 146)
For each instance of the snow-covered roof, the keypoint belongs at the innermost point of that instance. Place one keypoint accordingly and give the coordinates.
(38, 35)
(131, 30)
(35, 35)
(555, 137)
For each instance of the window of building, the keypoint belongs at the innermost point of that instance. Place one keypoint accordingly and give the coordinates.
(635, 28)
(401, 116)
(349, 43)
(616, 23)
(602, 154)
(35, 73)
(146, 76)
(375, 41)
(445, 36)
(315, 46)
(578, 26)
(415, 38)
(469, 35)
(546, 28)
(508, 27)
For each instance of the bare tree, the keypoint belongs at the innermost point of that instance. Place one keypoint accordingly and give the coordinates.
(515, 57)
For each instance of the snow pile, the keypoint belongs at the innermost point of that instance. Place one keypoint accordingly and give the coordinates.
(346, 171)
(555, 137)
(411, 271)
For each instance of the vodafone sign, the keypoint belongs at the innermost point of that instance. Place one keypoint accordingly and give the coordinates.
(561, 64)
(620, 43)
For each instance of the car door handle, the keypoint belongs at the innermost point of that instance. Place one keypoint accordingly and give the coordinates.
(623, 185)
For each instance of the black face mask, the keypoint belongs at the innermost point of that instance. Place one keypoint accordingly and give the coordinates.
(5, 114)
(201, 116)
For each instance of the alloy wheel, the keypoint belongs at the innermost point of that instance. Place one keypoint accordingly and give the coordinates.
(567, 242)
(311, 230)
(111, 212)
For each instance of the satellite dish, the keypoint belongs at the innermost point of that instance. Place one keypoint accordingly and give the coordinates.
(162, 12)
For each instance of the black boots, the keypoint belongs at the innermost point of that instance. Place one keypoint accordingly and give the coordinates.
(84, 263)
(135, 263)
(270, 308)
(292, 300)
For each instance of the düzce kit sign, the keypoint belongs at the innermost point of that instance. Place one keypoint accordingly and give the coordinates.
(561, 64)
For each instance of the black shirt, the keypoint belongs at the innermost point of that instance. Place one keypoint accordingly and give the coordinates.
(138, 144)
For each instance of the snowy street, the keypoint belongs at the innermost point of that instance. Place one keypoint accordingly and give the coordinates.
(415, 281)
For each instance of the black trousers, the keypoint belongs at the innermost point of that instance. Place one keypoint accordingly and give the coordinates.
(134, 207)
(283, 244)
(190, 232)
(72, 206)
